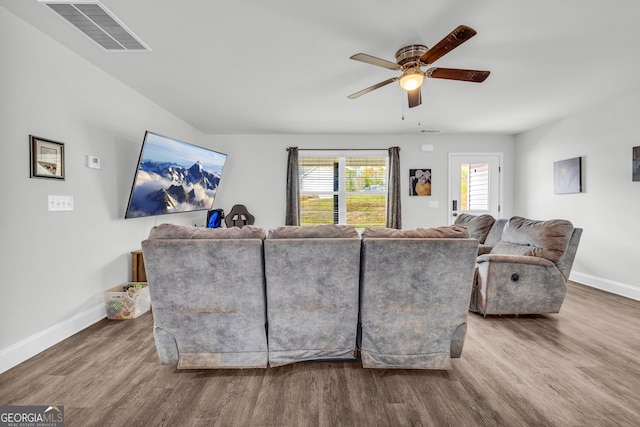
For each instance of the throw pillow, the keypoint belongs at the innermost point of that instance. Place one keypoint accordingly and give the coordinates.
(478, 225)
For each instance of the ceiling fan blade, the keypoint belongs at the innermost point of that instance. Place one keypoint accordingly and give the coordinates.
(415, 97)
(447, 44)
(370, 88)
(475, 76)
(363, 57)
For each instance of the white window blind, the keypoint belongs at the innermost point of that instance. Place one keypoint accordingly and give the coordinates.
(475, 187)
(348, 188)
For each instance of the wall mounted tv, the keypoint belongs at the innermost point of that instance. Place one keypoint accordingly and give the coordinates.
(174, 176)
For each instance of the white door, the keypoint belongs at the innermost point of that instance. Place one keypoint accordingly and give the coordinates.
(475, 184)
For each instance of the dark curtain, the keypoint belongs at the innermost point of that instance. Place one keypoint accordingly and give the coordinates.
(394, 210)
(292, 214)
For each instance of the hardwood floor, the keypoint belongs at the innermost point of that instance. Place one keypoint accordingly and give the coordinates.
(580, 367)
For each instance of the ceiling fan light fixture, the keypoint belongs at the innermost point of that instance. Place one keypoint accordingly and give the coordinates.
(411, 80)
(410, 59)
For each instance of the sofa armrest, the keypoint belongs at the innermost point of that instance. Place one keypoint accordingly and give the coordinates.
(517, 284)
(515, 259)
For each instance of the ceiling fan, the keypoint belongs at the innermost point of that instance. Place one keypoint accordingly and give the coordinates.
(411, 58)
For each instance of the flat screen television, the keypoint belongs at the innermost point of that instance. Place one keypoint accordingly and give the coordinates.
(174, 176)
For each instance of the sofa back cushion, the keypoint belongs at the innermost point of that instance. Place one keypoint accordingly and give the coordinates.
(317, 231)
(171, 231)
(495, 234)
(451, 231)
(478, 225)
(545, 239)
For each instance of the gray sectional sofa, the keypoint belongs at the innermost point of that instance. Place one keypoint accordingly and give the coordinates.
(242, 298)
(237, 298)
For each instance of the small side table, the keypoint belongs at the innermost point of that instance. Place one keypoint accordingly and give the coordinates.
(138, 273)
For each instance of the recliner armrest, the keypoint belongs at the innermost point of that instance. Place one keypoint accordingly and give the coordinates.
(517, 284)
(515, 259)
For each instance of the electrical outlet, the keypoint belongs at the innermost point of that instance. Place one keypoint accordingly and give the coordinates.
(60, 203)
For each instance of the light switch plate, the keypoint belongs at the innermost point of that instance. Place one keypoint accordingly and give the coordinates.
(60, 203)
(93, 162)
(434, 204)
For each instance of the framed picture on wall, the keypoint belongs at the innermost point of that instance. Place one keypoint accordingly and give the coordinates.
(568, 176)
(420, 182)
(635, 164)
(47, 158)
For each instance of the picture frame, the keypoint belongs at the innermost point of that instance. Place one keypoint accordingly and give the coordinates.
(47, 158)
(568, 176)
(635, 164)
(420, 182)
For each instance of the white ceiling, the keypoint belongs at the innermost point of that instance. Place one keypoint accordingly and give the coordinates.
(282, 66)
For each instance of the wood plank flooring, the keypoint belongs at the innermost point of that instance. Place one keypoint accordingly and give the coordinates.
(580, 367)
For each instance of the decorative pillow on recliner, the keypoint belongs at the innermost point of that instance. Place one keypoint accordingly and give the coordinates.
(478, 225)
(414, 233)
(545, 239)
(316, 231)
(171, 231)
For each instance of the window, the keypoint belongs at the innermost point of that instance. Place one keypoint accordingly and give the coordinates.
(348, 188)
(474, 187)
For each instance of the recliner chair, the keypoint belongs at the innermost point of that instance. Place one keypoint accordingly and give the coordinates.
(527, 271)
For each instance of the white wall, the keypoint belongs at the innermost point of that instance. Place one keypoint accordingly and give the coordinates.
(56, 265)
(255, 173)
(608, 208)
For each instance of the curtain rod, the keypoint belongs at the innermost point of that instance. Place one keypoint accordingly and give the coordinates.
(341, 149)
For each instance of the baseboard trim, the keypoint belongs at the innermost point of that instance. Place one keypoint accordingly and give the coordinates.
(614, 287)
(29, 347)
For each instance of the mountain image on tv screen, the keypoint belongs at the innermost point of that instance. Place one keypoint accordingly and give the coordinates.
(174, 176)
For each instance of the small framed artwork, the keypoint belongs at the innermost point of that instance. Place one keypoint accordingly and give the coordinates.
(568, 176)
(47, 158)
(420, 182)
(635, 164)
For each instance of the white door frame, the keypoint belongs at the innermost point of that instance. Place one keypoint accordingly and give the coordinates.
(499, 156)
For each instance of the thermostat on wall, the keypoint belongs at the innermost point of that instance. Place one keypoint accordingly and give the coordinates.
(93, 162)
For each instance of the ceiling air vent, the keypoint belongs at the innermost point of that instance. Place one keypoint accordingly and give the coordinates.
(100, 25)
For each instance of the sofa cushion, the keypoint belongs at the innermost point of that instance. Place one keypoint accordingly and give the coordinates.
(478, 225)
(546, 239)
(425, 233)
(317, 231)
(171, 231)
(495, 234)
